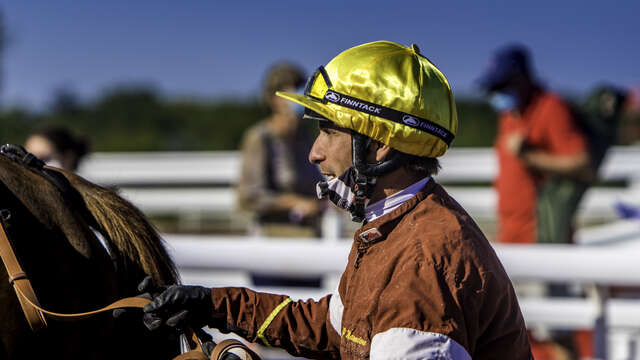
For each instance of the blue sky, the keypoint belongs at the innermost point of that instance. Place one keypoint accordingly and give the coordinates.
(214, 48)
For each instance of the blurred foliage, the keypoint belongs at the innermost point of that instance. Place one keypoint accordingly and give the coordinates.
(138, 119)
(477, 123)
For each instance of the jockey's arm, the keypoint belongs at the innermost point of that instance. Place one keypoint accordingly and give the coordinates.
(303, 328)
(576, 165)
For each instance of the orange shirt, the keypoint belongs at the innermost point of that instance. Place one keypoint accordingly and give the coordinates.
(548, 126)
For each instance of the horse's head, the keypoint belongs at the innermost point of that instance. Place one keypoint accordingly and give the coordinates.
(54, 219)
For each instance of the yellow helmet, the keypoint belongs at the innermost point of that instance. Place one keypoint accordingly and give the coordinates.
(388, 92)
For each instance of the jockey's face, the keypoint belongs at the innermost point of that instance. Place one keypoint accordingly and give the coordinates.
(331, 150)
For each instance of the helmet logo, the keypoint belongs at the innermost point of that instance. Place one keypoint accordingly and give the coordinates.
(331, 96)
(426, 126)
(410, 120)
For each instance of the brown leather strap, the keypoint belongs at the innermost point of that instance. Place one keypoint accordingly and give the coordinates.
(31, 306)
(27, 297)
(230, 344)
(192, 355)
(21, 284)
(130, 302)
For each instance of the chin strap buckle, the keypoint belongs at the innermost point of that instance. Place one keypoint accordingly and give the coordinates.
(359, 197)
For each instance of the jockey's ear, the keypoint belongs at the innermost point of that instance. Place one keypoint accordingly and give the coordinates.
(378, 152)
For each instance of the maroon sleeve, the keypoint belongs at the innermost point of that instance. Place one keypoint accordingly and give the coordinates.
(302, 328)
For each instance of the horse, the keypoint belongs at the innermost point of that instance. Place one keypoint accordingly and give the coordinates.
(55, 220)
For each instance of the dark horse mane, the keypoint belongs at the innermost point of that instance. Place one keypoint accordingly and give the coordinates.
(126, 229)
(59, 224)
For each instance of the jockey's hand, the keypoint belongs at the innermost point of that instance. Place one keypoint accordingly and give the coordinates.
(148, 290)
(178, 307)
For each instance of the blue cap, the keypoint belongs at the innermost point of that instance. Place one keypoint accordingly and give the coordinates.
(505, 63)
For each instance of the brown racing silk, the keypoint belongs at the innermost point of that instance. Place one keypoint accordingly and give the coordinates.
(426, 269)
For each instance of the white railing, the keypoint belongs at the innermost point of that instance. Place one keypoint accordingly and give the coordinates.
(610, 265)
(480, 202)
(460, 165)
(228, 261)
(163, 168)
(202, 182)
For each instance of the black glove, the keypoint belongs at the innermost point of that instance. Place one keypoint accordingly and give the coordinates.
(148, 290)
(178, 307)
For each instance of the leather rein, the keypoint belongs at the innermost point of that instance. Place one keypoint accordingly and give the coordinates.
(34, 313)
(37, 316)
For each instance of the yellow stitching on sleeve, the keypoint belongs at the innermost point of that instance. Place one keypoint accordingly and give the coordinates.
(349, 336)
(268, 321)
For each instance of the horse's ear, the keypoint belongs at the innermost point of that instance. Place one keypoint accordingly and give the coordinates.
(75, 221)
(46, 202)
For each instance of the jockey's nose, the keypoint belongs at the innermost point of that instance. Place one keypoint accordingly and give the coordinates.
(316, 154)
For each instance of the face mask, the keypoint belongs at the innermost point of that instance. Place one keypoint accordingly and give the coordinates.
(503, 101)
(342, 192)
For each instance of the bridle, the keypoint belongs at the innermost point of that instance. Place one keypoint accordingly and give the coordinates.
(33, 312)
(37, 316)
(19, 280)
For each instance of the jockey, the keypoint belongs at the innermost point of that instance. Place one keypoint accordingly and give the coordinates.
(422, 281)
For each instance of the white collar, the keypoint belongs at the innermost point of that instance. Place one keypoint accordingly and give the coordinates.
(390, 203)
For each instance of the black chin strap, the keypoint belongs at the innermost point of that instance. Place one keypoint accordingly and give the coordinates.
(360, 149)
(365, 171)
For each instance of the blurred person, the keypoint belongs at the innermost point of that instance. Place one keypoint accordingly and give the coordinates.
(548, 155)
(538, 138)
(58, 147)
(602, 112)
(559, 195)
(422, 281)
(629, 133)
(276, 181)
(601, 115)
